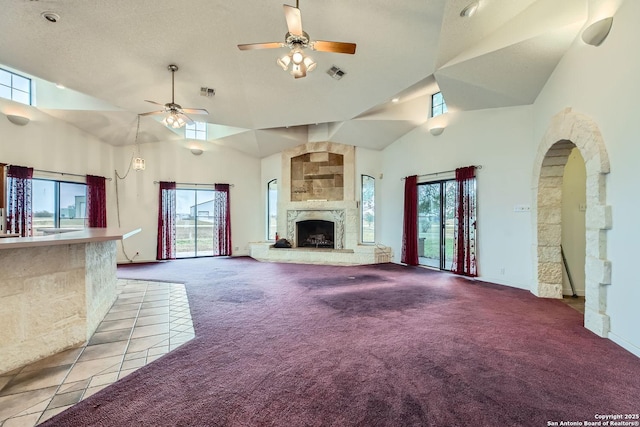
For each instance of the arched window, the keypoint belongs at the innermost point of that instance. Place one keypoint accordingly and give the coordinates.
(368, 209)
(272, 209)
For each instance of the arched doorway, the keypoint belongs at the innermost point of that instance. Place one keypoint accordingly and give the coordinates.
(566, 131)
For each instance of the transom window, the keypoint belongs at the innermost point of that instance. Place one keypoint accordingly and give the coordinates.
(438, 106)
(15, 87)
(196, 130)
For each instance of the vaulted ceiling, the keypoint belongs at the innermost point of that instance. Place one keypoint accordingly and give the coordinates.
(113, 55)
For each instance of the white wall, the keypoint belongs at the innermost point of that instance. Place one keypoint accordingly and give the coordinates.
(500, 141)
(573, 222)
(602, 83)
(170, 161)
(51, 144)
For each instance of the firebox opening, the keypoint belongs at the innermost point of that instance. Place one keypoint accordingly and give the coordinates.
(315, 234)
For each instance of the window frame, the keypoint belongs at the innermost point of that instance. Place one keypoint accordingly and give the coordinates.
(198, 134)
(362, 208)
(438, 106)
(56, 202)
(12, 87)
(272, 236)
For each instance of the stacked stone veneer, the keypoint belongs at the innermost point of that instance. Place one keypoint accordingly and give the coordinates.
(341, 209)
(53, 298)
(566, 131)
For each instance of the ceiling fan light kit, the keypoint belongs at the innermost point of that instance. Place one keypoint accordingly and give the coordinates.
(175, 115)
(297, 40)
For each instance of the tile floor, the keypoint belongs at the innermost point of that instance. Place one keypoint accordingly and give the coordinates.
(575, 303)
(148, 320)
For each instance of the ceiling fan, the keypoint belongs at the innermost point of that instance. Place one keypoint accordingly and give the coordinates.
(176, 116)
(297, 40)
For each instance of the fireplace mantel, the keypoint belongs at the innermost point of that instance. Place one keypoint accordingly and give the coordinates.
(337, 216)
(342, 211)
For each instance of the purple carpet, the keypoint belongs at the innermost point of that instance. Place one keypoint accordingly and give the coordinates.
(385, 345)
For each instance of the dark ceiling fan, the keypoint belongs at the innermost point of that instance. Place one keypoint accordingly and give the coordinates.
(297, 40)
(176, 116)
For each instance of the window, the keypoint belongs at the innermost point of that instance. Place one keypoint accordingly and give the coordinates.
(197, 130)
(438, 106)
(368, 209)
(15, 87)
(58, 204)
(272, 209)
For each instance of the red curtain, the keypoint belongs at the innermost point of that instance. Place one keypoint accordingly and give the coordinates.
(96, 201)
(464, 252)
(222, 221)
(410, 229)
(19, 213)
(167, 221)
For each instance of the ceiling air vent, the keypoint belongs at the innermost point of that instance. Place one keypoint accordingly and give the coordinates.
(335, 72)
(207, 91)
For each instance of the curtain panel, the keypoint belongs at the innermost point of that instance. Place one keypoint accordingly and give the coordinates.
(19, 210)
(410, 226)
(96, 201)
(166, 248)
(222, 220)
(464, 252)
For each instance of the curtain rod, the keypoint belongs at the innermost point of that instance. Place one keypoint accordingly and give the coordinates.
(192, 183)
(438, 173)
(63, 173)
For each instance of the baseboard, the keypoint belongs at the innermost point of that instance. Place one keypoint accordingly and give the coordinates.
(631, 348)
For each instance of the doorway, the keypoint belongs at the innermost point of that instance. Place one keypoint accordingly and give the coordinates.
(569, 130)
(195, 222)
(436, 216)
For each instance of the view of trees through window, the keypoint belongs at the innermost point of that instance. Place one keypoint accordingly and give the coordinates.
(436, 221)
(272, 209)
(58, 204)
(368, 209)
(194, 223)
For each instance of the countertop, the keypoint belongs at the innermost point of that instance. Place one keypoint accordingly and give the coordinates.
(87, 235)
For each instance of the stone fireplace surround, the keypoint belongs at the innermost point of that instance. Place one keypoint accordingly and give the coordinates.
(344, 213)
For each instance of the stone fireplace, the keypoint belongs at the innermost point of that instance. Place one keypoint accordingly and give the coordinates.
(317, 187)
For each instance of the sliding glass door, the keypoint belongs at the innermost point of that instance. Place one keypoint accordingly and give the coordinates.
(194, 223)
(436, 215)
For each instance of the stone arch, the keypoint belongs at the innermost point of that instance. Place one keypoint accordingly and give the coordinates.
(566, 131)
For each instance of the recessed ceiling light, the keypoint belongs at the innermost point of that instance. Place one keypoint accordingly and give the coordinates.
(50, 16)
(394, 100)
(470, 10)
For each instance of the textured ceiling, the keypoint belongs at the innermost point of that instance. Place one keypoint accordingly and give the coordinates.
(113, 55)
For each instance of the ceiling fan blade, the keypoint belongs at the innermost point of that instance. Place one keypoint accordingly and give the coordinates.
(269, 45)
(154, 102)
(195, 111)
(337, 47)
(294, 19)
(151, 113)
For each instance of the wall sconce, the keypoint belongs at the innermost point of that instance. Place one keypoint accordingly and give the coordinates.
(597, 32)
(18, 120)
(435, 131)
(196, 151)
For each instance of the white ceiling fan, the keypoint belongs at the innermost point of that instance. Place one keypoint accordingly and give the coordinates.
(175, 116)
(297, 40)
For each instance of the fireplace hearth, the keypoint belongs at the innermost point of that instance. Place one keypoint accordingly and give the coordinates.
(315, 234)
